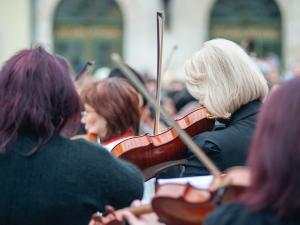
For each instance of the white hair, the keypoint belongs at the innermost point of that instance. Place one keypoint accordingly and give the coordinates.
(223, 77)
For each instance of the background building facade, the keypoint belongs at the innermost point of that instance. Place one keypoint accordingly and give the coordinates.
(82, 30)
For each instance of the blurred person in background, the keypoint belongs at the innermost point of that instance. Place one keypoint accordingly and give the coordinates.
(146, 121)
(294, 72)
(111, 110)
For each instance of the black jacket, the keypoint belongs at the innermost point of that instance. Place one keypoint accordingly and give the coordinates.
(237, 214)
(63, 183)
(227, 145)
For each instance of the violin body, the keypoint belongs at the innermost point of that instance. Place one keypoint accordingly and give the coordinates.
(153, 153)
(177, 204)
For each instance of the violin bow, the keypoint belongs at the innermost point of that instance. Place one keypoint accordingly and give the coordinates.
(182, 134)
(169, 59)
(160, 37)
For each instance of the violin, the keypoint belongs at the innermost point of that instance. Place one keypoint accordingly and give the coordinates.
(177, 204)
(187, 206)
(92, 137)
(153, 153)
(89, 137)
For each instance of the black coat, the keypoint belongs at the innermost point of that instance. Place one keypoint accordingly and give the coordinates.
(63, 183)
(227, 145)
(237, 214)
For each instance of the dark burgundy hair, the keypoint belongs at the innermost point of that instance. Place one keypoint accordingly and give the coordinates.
(274, 158)
(117, 101)
(37, 96)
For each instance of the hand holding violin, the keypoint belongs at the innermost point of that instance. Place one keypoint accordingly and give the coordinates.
(125, 215)
(178, 204)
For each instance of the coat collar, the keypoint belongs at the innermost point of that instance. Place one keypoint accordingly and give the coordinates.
(246, 110)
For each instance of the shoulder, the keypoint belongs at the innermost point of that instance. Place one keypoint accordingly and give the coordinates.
(92, 146)
(79, 145)
(225, 214)
(94, 159)
(238, 214)
(212, 139)
(79, 152)
(226, 135)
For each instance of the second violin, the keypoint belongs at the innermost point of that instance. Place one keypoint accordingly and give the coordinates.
(177, 204)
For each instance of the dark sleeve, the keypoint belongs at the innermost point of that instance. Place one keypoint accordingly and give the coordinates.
(223, 215)
(112, 181)
(194, 166)
(124, 183)
(237, 214)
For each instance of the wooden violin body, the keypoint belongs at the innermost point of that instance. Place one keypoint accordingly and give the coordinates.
(174, 204)
(177, 204)
(153, 153)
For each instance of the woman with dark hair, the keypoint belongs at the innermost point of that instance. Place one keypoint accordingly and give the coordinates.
(273, 196)
(111, 110)
(46, 178)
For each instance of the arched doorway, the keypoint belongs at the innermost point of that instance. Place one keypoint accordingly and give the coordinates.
(88, 30)
(257, 22)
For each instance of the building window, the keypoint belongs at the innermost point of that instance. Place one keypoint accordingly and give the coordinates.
(88, 30)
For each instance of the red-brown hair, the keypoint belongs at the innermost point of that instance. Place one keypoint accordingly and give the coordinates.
(117, 101)
(274, 159)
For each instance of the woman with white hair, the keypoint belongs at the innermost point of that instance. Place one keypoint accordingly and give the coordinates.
(224, 79)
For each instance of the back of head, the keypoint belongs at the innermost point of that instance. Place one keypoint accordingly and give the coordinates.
(37, 96)
(275, 152)
(223, 77)
(117, 101)
(119, 73)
